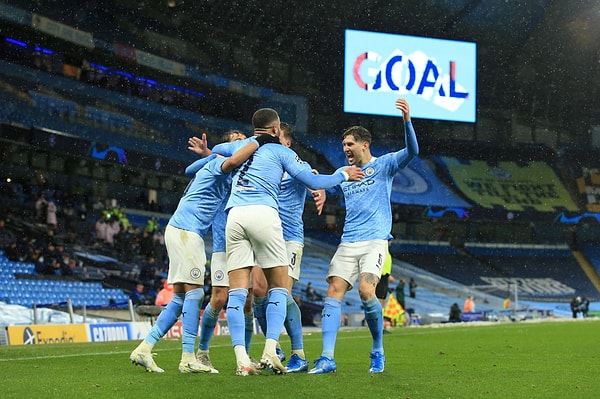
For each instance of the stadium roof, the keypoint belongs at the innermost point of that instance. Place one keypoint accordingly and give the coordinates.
(538, 57)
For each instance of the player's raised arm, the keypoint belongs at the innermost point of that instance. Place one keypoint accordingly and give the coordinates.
(241, 155)
(195, 166)
(199, 145)
(402, 105)
(410, 137)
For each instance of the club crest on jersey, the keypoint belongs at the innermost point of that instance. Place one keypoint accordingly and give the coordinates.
(369, 171)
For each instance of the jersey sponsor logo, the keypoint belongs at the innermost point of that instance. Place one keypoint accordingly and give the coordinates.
(358, 187)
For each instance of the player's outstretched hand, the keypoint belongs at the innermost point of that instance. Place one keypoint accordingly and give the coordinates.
(402, 105)
(354, 173)
(319, 196)
(266, 138)
(199, 145)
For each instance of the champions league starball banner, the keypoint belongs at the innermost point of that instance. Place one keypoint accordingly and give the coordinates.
(417, 184)
(436, 76)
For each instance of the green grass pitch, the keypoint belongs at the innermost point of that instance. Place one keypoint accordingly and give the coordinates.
(504, 360)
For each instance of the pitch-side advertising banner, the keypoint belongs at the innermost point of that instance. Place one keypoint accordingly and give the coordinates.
(47, 334)
(436, 76)
(114, 331)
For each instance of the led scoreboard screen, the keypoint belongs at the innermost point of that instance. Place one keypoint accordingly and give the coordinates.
(436, 76)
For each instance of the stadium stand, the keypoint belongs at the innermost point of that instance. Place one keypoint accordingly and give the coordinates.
(488, 264)
(21, 287)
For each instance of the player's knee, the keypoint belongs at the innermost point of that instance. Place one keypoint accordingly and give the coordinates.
(366, 290)
(218, 299)
(337, 288)
(259, 291)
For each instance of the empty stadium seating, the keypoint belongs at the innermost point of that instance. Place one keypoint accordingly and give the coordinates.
(444, 273)
(44, 292)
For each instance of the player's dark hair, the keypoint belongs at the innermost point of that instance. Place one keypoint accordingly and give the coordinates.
(358, 132)
(264, 118)
(226, 137)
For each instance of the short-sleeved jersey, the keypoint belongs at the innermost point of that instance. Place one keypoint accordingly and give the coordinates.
(257, 181)
(218, 226)
(201, 199)
(292, 196)
(227, 149)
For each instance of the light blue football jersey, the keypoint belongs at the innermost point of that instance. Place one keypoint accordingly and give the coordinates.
(368, 207)
(202, 198)
(227, 149)
(292, 196)
(218, 226)
(195, 166)
(257, 181)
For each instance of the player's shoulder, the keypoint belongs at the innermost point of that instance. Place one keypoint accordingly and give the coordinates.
(214, 165)
(387, 158)
(216, 161)
(281, 150)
